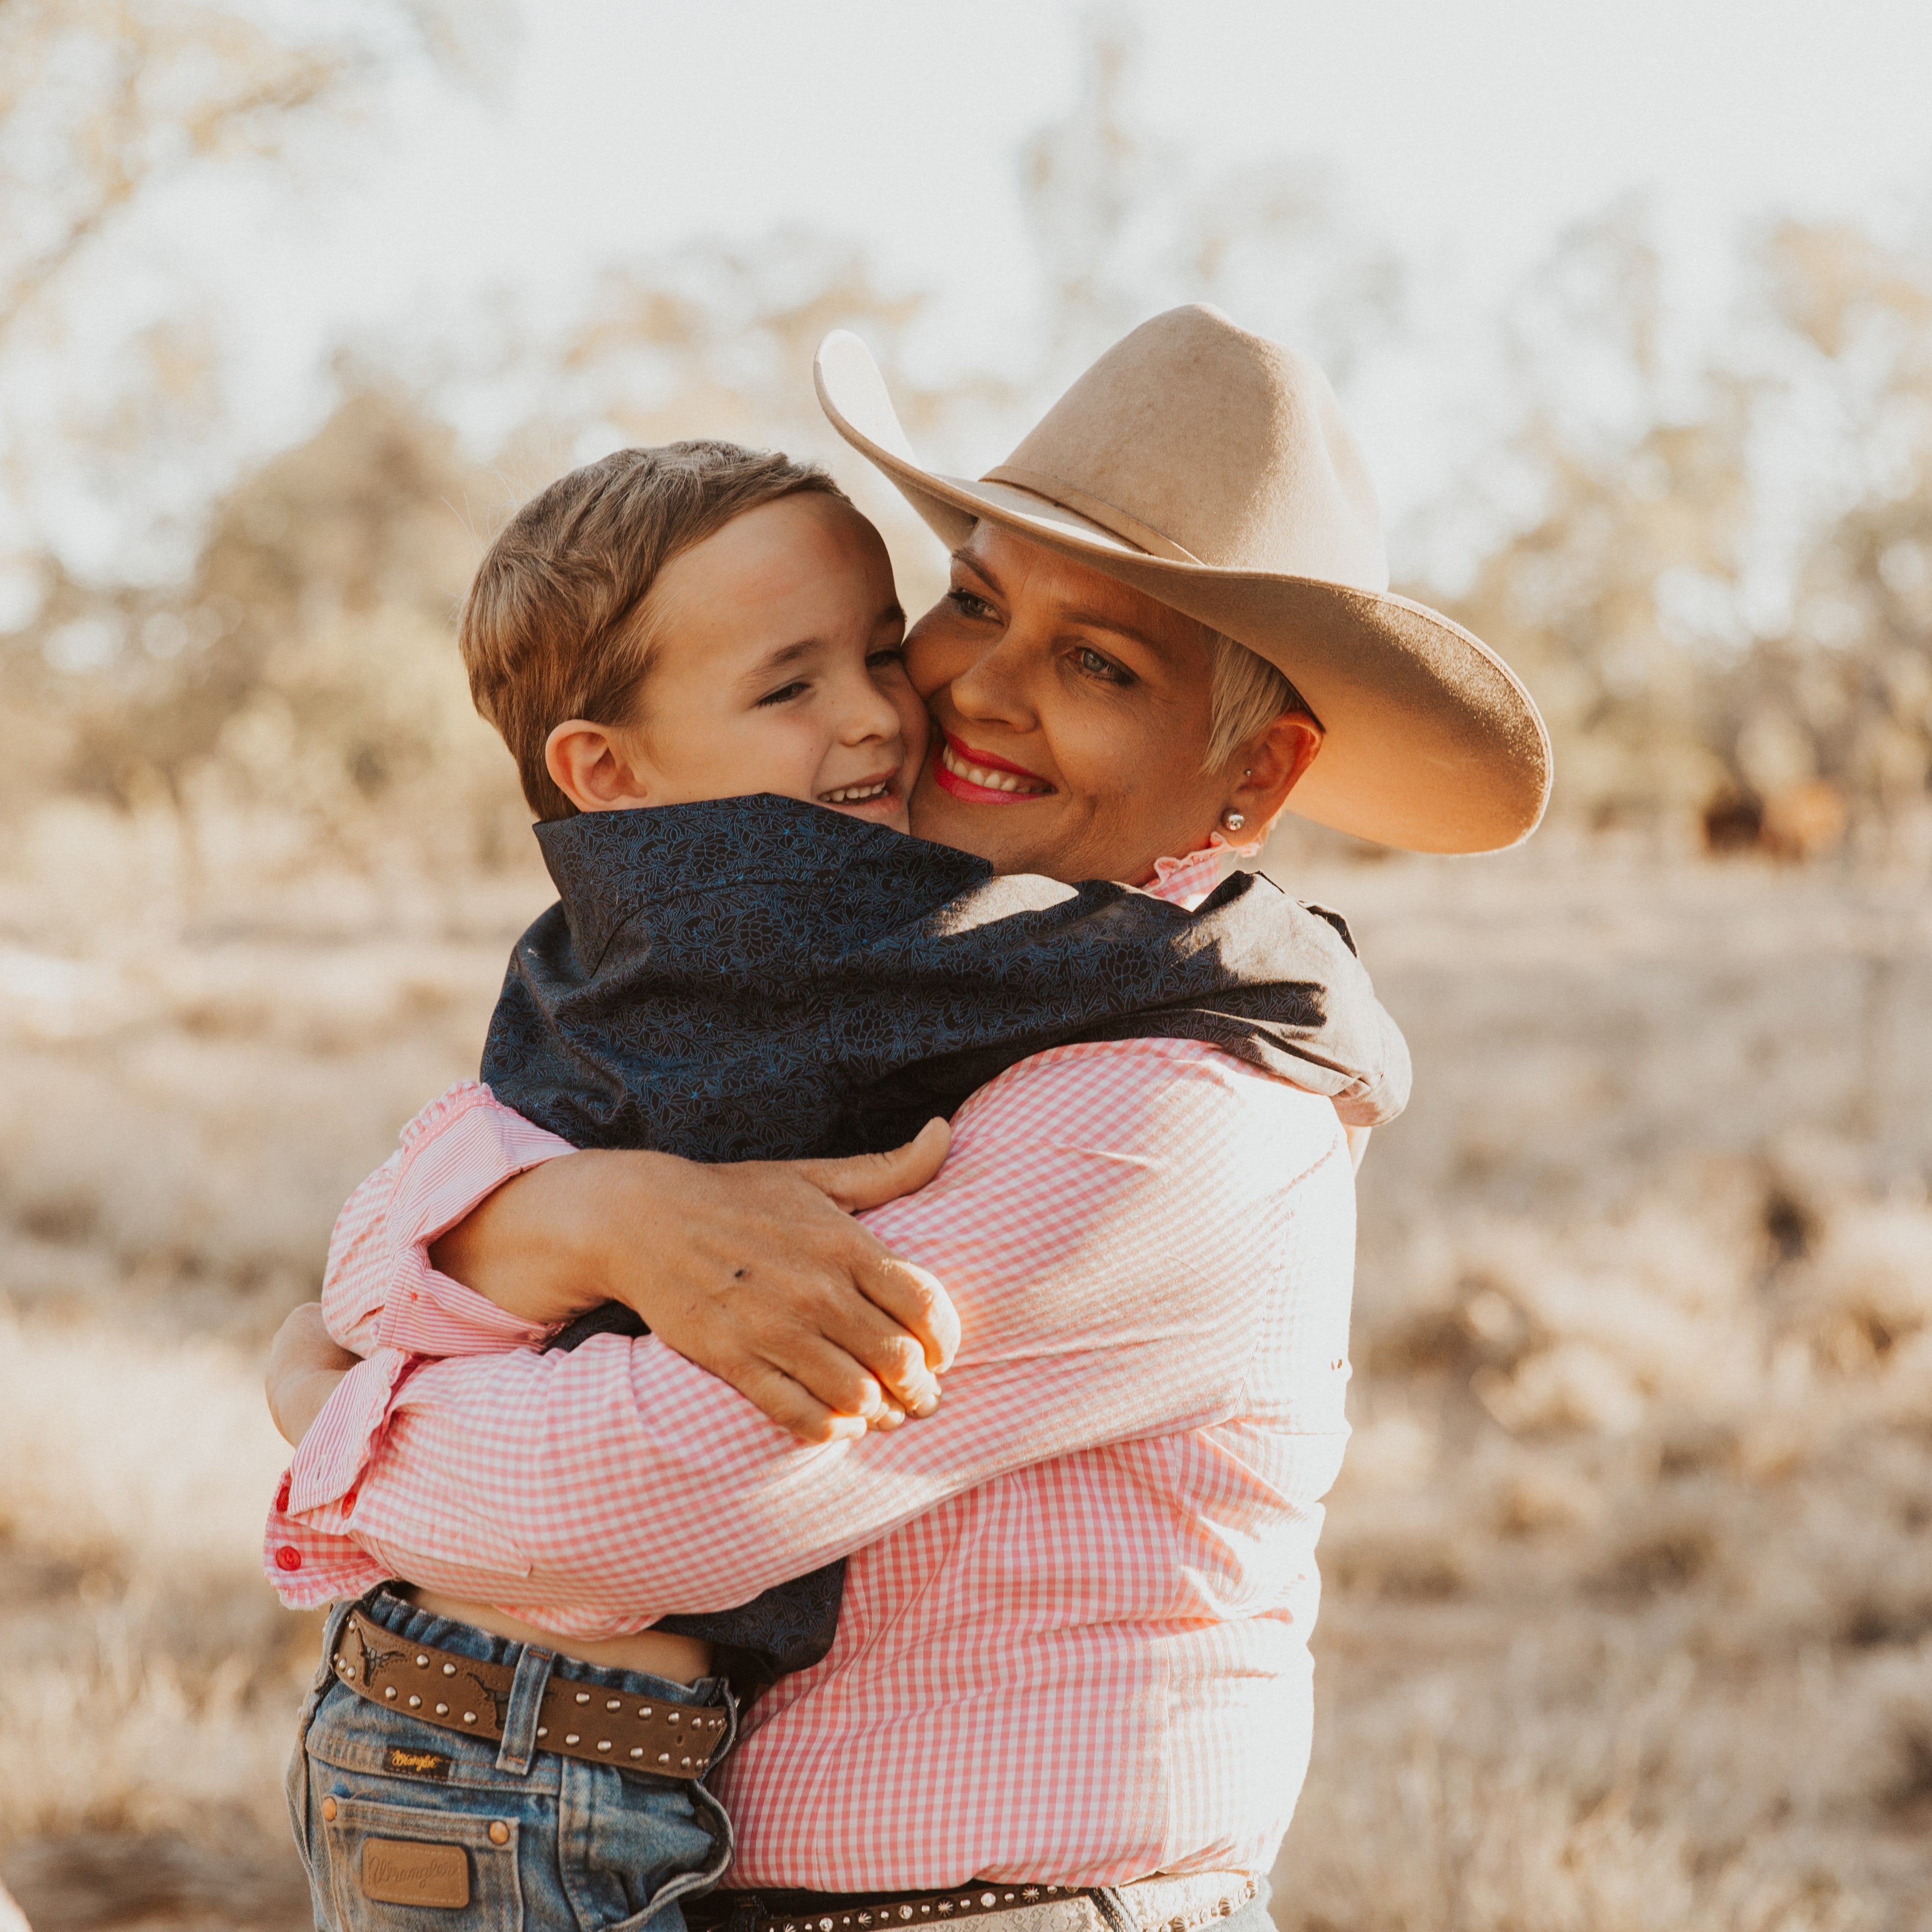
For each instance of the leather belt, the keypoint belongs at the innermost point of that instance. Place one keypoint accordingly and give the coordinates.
(590, 1721)
(1182, 1904)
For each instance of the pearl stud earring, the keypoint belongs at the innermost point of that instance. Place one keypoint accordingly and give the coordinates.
(1233, 820)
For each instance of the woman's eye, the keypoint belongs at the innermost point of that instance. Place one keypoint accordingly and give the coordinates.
(1094, 664)
(969, 605)
(784, 693)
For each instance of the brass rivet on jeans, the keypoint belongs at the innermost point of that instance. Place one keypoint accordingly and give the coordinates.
(500, 1833)
(329, 1810)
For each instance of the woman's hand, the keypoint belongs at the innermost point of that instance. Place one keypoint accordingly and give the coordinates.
(755, 1271)
(304, 1366)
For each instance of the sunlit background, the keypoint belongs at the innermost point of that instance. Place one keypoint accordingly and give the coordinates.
(1629, 1618)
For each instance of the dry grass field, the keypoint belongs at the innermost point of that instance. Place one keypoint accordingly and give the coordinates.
(1629, 1622)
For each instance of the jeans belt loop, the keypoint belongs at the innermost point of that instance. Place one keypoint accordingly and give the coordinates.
(520, 1720)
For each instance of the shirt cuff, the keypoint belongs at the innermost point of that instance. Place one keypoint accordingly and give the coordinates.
(329, 1459)
(455, 1152)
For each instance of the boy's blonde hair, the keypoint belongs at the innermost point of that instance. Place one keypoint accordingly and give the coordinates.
(556, 624)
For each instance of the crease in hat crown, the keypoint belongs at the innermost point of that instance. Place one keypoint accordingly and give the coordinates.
(1127, 437)
(1213, 470)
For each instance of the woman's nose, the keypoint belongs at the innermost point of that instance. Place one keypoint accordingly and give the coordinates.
(993, 687)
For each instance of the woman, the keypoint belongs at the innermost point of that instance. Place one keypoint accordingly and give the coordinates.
(1073, 1651)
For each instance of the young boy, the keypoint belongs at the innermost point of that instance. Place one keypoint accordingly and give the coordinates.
(694, 654)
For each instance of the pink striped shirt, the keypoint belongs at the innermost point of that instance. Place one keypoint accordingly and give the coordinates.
(1073, 1642)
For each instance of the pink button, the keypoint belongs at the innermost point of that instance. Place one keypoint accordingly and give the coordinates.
(288, 1557)
(282, 1495)
(348, 1499)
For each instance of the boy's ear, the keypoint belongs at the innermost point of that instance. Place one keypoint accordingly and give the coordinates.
(591, 769)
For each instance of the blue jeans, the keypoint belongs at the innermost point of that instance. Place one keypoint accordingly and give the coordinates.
(546, 1844)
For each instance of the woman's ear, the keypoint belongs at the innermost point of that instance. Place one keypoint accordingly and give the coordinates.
(1269, 766)
(589, 765)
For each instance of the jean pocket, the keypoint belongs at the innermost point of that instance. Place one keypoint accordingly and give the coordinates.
(635, 1847)
(420, 1868)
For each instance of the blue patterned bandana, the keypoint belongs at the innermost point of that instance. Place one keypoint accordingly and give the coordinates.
(761, 978)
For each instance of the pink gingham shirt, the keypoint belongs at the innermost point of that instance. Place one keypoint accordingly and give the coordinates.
(1073, 1643)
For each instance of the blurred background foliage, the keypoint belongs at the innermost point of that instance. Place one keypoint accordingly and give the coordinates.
(1719, 589)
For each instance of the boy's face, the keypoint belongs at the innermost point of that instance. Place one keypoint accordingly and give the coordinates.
(779, 669)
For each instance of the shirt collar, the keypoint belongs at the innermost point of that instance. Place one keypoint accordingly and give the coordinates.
(1186, 881)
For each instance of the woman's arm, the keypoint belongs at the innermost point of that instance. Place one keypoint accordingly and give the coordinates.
(1120, 1225)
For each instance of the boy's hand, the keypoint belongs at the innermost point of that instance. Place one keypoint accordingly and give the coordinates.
(755, 1271)
(304, 1366)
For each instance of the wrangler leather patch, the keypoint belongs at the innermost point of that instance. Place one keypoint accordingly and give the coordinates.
(397, 1872)
(418, 1763)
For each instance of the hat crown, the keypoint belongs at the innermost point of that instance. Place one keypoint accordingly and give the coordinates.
(1228, 445)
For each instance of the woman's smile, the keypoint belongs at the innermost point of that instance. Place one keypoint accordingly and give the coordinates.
(983, 776)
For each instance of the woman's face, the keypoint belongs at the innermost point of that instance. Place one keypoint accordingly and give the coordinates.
(1073, 715)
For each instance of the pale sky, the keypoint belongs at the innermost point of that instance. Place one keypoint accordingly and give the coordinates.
(1466, 133)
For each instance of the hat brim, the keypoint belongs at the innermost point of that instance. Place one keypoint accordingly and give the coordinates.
(1430, 742)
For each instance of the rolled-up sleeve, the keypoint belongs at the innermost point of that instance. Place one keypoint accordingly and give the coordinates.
(380, 1290)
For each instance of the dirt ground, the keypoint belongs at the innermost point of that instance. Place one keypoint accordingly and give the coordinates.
(1629, 1611)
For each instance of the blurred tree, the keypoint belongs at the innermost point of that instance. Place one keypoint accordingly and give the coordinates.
(1609, 598)
(1621, 597)
(1125, 225)
(1839, 703)
(106, 374)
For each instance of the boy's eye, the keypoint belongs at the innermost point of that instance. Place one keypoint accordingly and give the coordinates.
(968, 604)
(1094, 664)
(891, 654)
(784, 693)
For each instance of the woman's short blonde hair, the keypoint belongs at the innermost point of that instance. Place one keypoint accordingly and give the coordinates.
(1248, 695)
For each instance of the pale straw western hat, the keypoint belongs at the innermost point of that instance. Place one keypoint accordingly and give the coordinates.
(1211, 469)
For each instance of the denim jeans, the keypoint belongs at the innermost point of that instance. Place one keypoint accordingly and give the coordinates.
(549, 1843)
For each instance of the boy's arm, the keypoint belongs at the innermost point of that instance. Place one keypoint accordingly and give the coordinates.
(756, 1273)
(380, 1289)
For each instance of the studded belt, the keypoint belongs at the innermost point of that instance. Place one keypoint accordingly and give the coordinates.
(589, 1721)
(1183, 1904)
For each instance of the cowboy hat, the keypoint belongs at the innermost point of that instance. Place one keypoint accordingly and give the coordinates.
(1211, 470)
